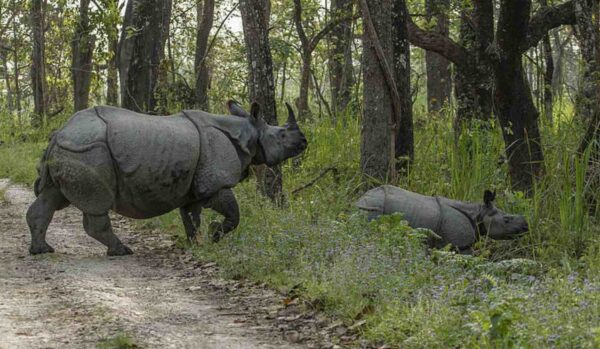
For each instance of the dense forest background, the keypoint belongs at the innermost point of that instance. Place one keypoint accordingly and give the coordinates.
(440, 97)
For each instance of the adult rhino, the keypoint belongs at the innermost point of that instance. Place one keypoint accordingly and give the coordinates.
(142, 166)
(457, 223)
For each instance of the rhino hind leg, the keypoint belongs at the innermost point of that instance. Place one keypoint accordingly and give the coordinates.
(99, 227)
(190, 216)
(40, 214)
(87, 179)
(224, 202)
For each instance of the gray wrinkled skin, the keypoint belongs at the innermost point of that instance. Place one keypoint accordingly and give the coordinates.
(457, 223)
(141, 166)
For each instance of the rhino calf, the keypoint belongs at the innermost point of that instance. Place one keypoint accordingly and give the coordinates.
(457, 223)
(142, 166)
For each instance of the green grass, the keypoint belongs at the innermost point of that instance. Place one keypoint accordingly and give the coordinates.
(540, 291)
(121, 341)
(18, 161)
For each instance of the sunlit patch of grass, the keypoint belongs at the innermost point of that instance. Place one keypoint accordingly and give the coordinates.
(121, 341)
(18, 161)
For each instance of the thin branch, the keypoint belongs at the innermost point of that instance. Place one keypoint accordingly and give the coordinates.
(214, 38)
(318, 89)
(5, 27)
(299, 26)
(546, 19)
(328, 28)
(438, 43)
(309, 45)
(321, 175)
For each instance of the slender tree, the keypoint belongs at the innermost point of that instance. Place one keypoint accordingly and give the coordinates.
(439, 80)
(255, 22)
(588, 101)
(587, 33)
(548, 73)
(308, 45)
(404, 148)
(341, 77)
(111, 18)
(82, 46)
(384, 107)
(205, 14)
(513, 101)
(38, 61)
(141, 50)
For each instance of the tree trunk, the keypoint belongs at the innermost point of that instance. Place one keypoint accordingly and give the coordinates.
(9, 92)
(588, 102)
(557, 76)
(255, 22)
(112, 87)
(341, 78)
(514, 105)
(548, 74)
(283, 80)
(205, 23)
(141, 50)
(439, 80)
(306, 56)
(375, 151)
(474, 78)
(303, 109)
(404, 149)
(473, 91)
(38, 62)
(83, 51)
(16, 78)
(587, 107)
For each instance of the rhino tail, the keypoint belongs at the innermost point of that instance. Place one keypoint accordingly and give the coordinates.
(43, 173)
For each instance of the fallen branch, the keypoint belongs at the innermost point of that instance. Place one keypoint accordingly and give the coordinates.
(332, 169)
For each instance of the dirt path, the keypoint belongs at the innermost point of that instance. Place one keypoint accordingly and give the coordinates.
(159, 297)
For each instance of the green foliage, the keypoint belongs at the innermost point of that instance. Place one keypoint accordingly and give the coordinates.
(540, 291)
(18, 162)
(121, 341)
(538, 294)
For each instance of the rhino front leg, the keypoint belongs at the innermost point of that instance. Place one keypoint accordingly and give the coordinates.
(99, 228)
(224, 202)
(190, 216)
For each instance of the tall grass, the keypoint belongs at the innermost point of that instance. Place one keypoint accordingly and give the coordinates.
(322, 248)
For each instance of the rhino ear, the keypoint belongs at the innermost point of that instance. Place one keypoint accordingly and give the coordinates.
(256, 118)
(489, 197)
(255, 110)
(235, 109)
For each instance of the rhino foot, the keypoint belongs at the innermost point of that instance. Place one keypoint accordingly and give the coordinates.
(119, 251)
(42, 248)
(217, 231)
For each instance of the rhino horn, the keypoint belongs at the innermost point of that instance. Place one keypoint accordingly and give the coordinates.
(291, 117)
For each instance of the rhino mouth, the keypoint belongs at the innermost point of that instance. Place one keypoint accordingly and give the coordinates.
(515, 234)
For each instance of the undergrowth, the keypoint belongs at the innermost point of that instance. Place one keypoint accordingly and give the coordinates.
(537, 292)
